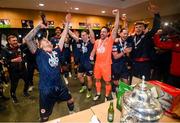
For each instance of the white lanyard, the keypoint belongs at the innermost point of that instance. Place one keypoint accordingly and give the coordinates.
(136, 43)
(101, 43)
(84, 44)
(121, 44)
(84, 47)
(101, 48)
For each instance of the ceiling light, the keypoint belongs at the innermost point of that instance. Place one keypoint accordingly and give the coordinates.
(76, 8)
(103, 12)
(166, 23)
(20, 36)
(123, 14)
(41, 4)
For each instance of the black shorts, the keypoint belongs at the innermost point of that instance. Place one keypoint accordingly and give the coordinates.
(86, 67)
(49, 96)
(119, 70)
(142, 68)
(76, 60)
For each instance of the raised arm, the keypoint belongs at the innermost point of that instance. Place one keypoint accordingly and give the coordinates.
(91, 32)
(116, 23)
(93, 52)
(65, 31)
(124, 21)
(157, 19)
(29, 39)
(73, 35)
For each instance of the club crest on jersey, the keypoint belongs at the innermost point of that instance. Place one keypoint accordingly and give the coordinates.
(84, 49)
(53, 60)
(78, 45)
(43, 111)
(101, 49)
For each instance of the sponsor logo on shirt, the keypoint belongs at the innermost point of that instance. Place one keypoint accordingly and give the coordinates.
(53, 60)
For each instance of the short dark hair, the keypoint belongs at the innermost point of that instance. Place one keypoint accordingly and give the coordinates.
(58, 28)
(86, 31)
(11, 36)
(108, 30)
(121, 29)
(145, 24)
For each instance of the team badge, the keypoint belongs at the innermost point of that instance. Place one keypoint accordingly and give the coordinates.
(43, 111)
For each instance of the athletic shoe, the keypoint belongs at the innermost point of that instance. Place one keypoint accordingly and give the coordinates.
(71, 112)
(70, 75)
(15, 100)
(83, 88)
(66, 80)
(108, 98)
(26, 94)
(96, 97)
(30, 88)
(88, 94)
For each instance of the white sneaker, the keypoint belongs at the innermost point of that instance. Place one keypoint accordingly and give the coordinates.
(97, 97)
(70, 75)
(65, 80)
(31, 88)
(5, 85)
(71, 112)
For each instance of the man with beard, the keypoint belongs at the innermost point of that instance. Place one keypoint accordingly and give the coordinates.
(121, 48)
(103, 51)
(54, 40)
(16, 66)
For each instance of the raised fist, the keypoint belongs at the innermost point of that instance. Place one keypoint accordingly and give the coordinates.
(68, 18)
(123, 17)
(153, 8)
(115, 11)
(42, 26)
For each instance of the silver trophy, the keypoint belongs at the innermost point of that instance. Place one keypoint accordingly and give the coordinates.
(139, 105)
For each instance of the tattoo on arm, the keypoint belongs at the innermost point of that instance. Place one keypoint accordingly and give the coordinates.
(29, 39)
(116, 25)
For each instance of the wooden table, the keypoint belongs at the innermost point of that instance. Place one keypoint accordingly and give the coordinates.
(101, 112)
(79, 117)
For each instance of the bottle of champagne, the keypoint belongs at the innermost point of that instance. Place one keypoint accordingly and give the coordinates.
(110, 117)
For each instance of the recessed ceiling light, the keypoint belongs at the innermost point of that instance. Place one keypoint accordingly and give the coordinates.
(76, 8)
(103, 12)
(166, 23)
(123, 14)
(41, 4)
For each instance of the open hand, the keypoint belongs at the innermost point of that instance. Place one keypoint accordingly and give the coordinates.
(123, 17)
(127, 50)
(153, 8)
(115, 11)
(42, 26)
(68, 18)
